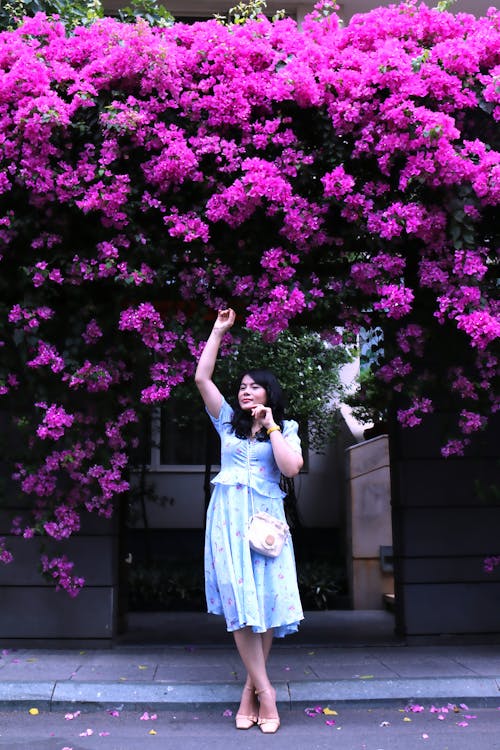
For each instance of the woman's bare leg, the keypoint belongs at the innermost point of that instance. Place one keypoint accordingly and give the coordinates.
(254, 649)
(267, 642)
(249, 705)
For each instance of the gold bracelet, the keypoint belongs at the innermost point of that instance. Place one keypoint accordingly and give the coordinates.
(272, 429)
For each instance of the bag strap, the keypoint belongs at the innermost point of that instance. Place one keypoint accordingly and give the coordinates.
(249, 447)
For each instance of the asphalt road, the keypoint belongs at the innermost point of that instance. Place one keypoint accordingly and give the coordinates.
(351, 728)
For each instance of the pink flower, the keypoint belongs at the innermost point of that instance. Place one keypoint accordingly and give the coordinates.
(413, 416)
(47, 355)
(454, 448)
(92, 332)
(471, 422)
(480, 326)
(59, 569)
(395, 301)
(337, 183)
(55, 421)
(6, 557)
(490, 563)
(67, 522)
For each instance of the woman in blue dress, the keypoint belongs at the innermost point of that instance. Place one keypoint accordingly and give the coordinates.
(258, 595)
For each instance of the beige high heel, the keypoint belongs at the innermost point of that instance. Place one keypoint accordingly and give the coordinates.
(246, 722)
(268, 726)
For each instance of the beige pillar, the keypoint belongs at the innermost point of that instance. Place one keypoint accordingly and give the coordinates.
(369, 523)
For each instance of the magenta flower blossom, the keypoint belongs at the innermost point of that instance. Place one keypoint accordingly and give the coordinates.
(454, 448)
(471, 422)
(92, 332)
(394, 300)
(481, 326)
(59, 569)
(6, 557)
(490, 563)
(413, 416)
(47, 356)
(55, 420)
(67, 522)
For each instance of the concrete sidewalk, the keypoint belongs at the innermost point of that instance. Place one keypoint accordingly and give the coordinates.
(187, 658)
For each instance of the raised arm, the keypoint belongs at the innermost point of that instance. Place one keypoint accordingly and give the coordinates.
(206, 364)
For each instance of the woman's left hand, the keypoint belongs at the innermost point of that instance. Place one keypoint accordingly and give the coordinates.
(263, 415)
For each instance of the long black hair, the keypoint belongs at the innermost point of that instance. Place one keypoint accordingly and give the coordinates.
(241, 421)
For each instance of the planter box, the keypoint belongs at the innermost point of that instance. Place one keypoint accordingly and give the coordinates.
(34, 614)
(446, 517)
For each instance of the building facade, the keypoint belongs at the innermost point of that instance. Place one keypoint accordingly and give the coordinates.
(440, 531)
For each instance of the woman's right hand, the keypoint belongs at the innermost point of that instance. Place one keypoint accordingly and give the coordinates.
(225, 320)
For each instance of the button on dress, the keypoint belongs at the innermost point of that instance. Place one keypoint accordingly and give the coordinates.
(248, 588)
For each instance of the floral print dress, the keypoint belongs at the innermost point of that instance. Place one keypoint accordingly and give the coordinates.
(248, 588)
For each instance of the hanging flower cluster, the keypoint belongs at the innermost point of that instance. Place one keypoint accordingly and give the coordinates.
(328, 176)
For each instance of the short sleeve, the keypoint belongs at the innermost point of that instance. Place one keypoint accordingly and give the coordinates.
(223, 421)
(291, 435)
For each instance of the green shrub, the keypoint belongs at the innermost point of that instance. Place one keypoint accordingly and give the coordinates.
(177, 585)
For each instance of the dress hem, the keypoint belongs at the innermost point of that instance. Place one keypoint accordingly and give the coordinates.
(281, 630)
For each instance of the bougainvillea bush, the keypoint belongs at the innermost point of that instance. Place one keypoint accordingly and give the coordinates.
(325, 177)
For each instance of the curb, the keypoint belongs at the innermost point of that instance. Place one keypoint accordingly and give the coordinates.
(65, 694)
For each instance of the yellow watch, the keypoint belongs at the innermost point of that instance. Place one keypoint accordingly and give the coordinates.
(273, 429)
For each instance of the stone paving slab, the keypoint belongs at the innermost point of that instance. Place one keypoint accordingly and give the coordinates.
(425, 667)
(325, 671)
(199, 673)
(47, 673)
(296, 672)
(488, 666)
(114, 672)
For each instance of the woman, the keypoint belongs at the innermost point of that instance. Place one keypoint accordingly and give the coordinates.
(258, 595)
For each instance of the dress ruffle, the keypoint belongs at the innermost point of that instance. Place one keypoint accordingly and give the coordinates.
(238, 476)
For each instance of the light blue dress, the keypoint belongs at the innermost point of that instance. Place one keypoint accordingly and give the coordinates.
(248, 588)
